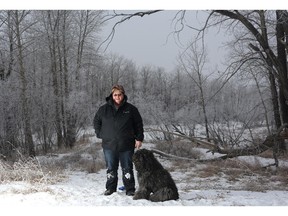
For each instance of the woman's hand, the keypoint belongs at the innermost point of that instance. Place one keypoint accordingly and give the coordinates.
(138, 144)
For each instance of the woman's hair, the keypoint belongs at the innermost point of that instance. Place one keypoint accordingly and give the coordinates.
(119, 88)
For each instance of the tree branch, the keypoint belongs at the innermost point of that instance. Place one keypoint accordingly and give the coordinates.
(270, 142)
(124, 17)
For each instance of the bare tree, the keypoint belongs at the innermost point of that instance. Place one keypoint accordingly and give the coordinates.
(193, 62)
(52, 23)
(11, 46)
(255, 23)
(261, 95)
(19, 19)
(87, 24)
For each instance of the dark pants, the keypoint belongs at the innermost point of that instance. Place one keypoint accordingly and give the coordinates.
(112, 159)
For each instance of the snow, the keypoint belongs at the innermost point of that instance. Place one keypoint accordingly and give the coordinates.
(82, 192)
(83, 189)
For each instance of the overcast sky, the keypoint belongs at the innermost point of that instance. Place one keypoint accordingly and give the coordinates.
(145, 40)
(148, 40)
(141, 4)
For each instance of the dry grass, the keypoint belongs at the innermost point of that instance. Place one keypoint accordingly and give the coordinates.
(209, 170)
(238, 175)
(91, 165)
(180, 148)
(254, 186)
(28, 170)
(281, 176)
(84, 157)
(52, 168)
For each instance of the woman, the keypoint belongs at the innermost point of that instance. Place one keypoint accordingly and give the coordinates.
(120, 126)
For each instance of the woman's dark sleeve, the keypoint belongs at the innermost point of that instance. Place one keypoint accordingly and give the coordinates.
(138, 125)
(97, 122)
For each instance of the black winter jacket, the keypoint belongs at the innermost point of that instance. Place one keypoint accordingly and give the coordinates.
(118, 129)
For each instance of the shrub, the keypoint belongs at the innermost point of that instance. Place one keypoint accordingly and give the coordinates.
(28, 170)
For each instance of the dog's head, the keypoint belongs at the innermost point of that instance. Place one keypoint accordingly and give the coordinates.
(144, 159)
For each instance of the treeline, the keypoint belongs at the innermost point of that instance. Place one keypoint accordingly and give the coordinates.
(53, 78)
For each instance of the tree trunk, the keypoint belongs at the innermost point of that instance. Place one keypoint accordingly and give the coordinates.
(263, 104)
(274, 95)
(81, 41)
(55, 79)
(203, 104)
(282, 60)
(274, 141)
(11, 45)
(29, 145)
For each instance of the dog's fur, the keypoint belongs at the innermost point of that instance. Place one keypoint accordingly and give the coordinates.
(155, 182)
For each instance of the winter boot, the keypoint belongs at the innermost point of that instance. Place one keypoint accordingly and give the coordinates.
(111, 183)
(129, 181)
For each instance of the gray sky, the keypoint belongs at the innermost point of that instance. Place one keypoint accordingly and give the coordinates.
(146, 40)
(141, 4)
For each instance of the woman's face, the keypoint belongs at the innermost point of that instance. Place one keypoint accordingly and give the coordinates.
(117, 97)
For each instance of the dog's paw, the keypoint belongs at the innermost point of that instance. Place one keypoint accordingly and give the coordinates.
(138, 196)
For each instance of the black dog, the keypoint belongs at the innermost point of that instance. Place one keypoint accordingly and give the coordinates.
(155, 182)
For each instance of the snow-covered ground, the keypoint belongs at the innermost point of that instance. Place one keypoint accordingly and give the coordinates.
(84, 191)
